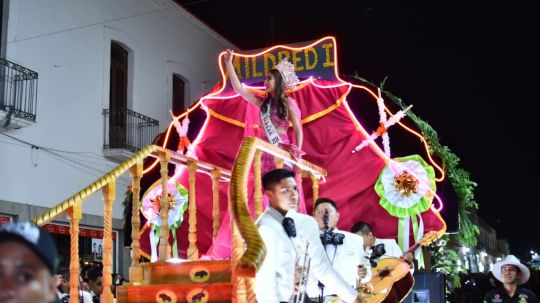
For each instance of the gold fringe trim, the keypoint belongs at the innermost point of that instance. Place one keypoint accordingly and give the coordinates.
(304, 121)
(323, 112)
(226, 119)
(261, 93)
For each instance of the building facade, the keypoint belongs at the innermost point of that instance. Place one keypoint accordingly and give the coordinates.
(84, 84)
(488, 250)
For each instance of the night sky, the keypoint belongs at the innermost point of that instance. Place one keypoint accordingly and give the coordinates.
(470, 70)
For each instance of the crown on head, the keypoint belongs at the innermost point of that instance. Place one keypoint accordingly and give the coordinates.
(286, 69)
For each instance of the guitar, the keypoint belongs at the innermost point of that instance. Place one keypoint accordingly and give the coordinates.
(391, 280)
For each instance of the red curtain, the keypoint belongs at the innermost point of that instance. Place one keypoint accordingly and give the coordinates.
(330, 134)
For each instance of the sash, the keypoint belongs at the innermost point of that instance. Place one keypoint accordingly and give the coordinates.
(269, 128)
(271, 132)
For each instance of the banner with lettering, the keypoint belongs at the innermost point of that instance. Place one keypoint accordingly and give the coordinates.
(83, 232)
(318, 60)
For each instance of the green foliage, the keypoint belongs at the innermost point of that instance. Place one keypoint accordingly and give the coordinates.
(445, 261)
(459, 177)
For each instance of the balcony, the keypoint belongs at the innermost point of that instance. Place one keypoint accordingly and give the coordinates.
(18, 95)
(126, 132)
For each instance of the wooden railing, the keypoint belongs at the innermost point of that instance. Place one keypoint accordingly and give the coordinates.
(107, 185)
(248, 250)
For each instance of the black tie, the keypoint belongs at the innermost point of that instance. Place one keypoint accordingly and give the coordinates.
(288, 224)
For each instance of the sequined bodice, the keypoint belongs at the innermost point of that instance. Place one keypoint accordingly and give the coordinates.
(281, 125)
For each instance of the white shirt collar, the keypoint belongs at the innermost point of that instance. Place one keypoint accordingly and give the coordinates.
(274, 213)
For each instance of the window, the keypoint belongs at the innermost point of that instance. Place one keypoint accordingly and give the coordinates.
(178, 94)
(118, 96)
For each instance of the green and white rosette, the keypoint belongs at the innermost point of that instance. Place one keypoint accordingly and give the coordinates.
(150, 206)
(406, 186)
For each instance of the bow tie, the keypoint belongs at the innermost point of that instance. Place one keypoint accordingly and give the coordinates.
(288, 225)
(377, 251)
(328, 237)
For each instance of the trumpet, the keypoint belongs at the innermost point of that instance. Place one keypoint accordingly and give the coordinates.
(299, 293)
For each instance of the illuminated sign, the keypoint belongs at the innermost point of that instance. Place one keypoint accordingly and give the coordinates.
(317, 59)
(83, 232)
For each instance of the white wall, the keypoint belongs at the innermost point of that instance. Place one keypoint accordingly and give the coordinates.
(68, 43)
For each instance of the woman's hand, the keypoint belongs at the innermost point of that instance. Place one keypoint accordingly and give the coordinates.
(235, 82)
(293, 150)
(229, 56)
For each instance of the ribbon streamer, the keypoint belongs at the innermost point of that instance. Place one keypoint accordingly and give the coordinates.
(393, 120)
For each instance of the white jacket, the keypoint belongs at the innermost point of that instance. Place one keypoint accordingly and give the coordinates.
(275, 278)
(345, 259)
(391, 247)
(320, 268)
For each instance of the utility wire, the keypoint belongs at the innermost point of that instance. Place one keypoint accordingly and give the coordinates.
(81, 164)
(88, 25)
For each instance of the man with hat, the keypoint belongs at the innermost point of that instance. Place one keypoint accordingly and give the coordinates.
(27, 264)
(512, 274)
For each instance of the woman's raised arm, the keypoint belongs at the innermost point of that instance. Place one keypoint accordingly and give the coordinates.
(237, 86)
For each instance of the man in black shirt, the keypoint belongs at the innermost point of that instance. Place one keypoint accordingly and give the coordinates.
(512, 274)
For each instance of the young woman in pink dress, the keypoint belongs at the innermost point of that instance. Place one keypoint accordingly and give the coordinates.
(277, 107)
(275, 112)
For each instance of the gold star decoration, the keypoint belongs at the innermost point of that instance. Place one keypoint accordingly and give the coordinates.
(406, 184)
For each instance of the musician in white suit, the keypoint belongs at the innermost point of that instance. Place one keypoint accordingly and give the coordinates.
(391, 250)
(285, 233)
(391, 247)
(344, 250)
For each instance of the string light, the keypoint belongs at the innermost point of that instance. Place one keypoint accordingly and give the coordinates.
(311, 80)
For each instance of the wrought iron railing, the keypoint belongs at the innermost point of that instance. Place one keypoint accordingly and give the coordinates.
(129, 130)
(18, 90)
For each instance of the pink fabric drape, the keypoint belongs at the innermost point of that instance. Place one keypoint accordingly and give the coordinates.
(328, 142)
